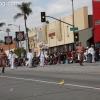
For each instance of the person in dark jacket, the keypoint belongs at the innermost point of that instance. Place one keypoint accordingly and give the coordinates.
(62, 58)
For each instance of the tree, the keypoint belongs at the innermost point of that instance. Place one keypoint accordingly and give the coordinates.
(14, 39)
(25, 12)
(17, 51)
(2, 24)
(1, 41)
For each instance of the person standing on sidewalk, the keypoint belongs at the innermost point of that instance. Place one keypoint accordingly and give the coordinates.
(2, 59)
(30, 57)
(91, 51)
(41, 55)
(80, 50)
(86, 53)
(12, 59)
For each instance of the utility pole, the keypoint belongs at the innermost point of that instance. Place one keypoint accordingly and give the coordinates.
(20, 39)
(73, 21)
(7, 31)
(73, 13)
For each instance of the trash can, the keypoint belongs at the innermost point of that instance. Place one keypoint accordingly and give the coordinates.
(89, 58)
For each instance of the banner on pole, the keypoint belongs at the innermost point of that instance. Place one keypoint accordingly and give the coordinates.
(8, 40)
(20, 36)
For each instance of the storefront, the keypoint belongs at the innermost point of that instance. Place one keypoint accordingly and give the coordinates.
(59, 37)
(97, 45)
(62, 48)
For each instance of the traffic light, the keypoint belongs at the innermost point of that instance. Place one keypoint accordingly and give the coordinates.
(76, 37)
(8, 40)
(43, 17)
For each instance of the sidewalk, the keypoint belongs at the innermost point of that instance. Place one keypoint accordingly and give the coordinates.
(87, 68)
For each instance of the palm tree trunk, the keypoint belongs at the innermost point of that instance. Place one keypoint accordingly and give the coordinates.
(27, 38)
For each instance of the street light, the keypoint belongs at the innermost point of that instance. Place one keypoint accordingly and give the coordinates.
(7, 31)
(73, 12)
(19, 31)
(73, 19)
(14, 25)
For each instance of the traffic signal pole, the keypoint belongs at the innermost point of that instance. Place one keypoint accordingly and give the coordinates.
(59, 20)
(43, 19)
(73, 23)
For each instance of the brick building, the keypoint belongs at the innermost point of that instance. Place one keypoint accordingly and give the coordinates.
(6, 48)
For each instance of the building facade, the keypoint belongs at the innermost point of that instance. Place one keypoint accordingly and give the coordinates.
(57, 35)
(35, 39)
(96, 22)
(12, 47)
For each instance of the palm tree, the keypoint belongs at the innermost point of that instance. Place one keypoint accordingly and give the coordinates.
(25, 12)
(2, 24)
(7, 30)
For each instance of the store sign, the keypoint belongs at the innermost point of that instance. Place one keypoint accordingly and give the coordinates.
(51, 35)
(97, 22)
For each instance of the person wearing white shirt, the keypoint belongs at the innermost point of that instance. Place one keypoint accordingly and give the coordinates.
(86, 53)
(30, 57)
(91, 51)
(42, 57)
(11, 58)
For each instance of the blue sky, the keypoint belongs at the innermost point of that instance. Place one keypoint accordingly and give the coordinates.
(55, 8)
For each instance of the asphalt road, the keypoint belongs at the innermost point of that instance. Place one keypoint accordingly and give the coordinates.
(42, 83)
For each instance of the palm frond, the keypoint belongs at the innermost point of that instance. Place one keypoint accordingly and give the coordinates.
(2, 24)
(25, 8)
(18, 15)
(29, 11)
(28, 4)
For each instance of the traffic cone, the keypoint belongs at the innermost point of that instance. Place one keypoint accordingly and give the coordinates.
(62, 82)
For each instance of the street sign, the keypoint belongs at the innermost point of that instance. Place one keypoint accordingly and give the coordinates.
(73, 28)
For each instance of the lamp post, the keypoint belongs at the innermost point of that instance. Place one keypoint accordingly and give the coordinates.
(73, 19)
(19, 31)
(72, 12)
(7, 31)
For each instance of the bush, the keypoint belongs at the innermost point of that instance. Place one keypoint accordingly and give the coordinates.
(19, 51)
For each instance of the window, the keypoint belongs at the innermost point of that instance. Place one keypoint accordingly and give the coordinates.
(71, 47)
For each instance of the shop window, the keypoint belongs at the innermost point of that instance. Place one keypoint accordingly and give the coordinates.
(63, 48)
(55, 49)
(97, 45)
(34, 44)
(52, 49)
(71, 47)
